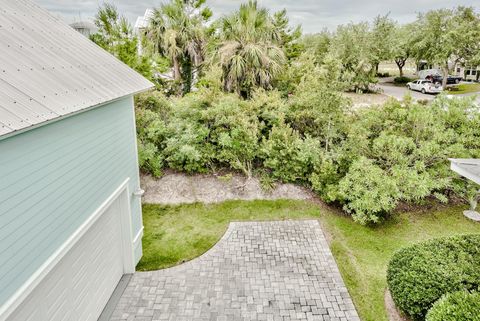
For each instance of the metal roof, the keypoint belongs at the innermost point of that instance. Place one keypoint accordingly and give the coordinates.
(468, 168)
(48, 70)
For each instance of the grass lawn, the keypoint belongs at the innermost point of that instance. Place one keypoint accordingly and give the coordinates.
(465, 89)
(174, 234)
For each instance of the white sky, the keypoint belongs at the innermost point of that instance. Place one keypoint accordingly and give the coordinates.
(313, 15)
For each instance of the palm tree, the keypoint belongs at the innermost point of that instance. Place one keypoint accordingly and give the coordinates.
(249, 53)
(177, 32)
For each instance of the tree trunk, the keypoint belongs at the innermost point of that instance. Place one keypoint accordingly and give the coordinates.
(445, 76)
(176, 69)
(400, 64)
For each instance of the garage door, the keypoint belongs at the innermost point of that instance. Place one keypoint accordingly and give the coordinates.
(79, 286)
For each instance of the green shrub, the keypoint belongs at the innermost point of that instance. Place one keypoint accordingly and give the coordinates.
(289, 157)
(234, 133)
(458, 306)
(402, 80)
(421, 274)
(369, 193)
(368, 160)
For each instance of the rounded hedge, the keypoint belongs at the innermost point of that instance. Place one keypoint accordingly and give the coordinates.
(421, 274)
(458, 306)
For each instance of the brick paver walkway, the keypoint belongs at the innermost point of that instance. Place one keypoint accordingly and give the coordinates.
(258, 271)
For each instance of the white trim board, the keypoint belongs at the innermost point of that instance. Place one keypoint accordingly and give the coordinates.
(26, 289)
(139, 236)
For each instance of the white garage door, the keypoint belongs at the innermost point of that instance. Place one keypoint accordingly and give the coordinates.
(79, 286)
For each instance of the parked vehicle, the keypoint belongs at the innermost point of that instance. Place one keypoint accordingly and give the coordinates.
(450, 79)
(425, 86)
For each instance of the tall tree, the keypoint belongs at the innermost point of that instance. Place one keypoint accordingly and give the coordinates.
(249, 53)
(177, 30)
(351, 47)
(318, 43)
(115, 35)
(382, 39)
(449, 36)
(402, 45)
(289, 36)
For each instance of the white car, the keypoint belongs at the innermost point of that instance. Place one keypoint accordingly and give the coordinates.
(425, 86)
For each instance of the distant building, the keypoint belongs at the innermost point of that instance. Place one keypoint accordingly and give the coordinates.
(86, 28)
(469, 73)
(141, 25)
(142, 21)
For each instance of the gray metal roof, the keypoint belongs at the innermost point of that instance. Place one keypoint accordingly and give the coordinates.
(48, 70)
(468, 168)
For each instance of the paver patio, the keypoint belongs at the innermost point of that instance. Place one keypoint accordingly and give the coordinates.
(257, 271)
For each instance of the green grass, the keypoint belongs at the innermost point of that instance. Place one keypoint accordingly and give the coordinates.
(174, 234)
(179, 233)
(465, 89)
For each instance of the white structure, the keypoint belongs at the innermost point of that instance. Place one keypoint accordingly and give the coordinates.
(140, 25)
(470, 169)
(468, 73)
(142, 21)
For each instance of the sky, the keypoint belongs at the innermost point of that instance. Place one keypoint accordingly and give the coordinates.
(313, 15)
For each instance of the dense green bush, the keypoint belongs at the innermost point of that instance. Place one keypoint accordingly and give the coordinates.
(369, 161)
(289, 157)
(383, 74)
(458, 306)
(421, 274)
(404, 149)
(402, 80)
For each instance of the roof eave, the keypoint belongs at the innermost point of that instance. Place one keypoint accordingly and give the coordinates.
(62, 117)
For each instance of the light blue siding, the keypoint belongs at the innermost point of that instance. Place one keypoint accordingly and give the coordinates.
(54, 177)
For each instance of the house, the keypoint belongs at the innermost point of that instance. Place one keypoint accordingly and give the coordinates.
(86, 28)
(70, 212)
(468, 73)
(141, 25)
(470, 169)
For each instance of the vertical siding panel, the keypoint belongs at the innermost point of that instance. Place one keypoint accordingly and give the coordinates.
(54, 177)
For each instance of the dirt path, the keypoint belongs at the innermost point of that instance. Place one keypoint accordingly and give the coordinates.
(178, 188)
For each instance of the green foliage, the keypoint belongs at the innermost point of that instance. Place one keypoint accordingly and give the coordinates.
(289, 157)
(351, 46)
(419, 275)
(318, 112)
(458, 306)
(369, 161)
(403, 150)
(383, 38)
(115, 35)
(288, 36)
(250, 52)
(368, 192)
(234, 132)
(177, 31)
(402, 80)
(318, 44)
(448, 35)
